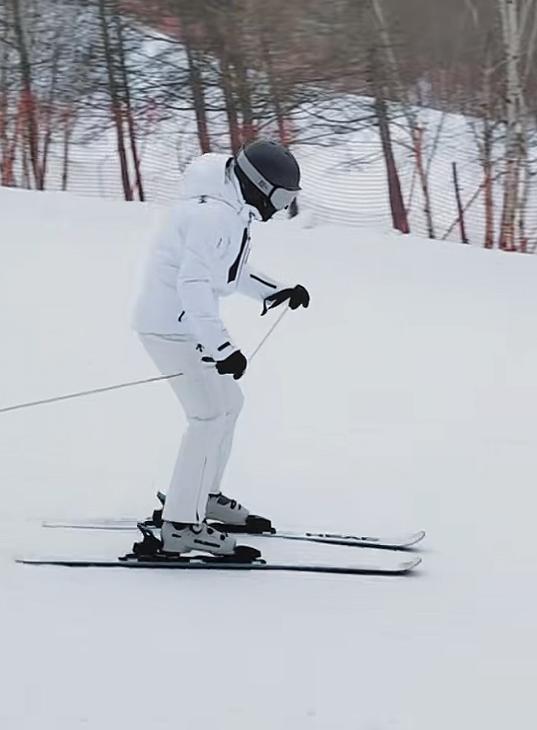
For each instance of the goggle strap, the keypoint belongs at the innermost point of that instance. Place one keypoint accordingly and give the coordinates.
(254, 175)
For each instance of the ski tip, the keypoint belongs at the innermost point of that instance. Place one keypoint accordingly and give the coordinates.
(415, 538)
(409, 565)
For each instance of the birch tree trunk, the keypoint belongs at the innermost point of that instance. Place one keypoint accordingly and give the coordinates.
(10, 149)
(488, 190)
(5, 121)
(515, 140)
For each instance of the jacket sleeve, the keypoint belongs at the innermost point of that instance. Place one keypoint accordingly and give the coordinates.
(196, 291)
(256, 285)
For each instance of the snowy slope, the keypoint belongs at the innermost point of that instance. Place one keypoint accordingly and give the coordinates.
(403, 398)
(343, 182)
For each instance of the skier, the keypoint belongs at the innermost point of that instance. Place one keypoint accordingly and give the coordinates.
(200, 256)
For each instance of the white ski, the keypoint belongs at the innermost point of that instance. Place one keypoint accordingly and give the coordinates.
(399, 567)
(386, 542)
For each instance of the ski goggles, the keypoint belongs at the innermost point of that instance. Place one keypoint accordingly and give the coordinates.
(280, 198)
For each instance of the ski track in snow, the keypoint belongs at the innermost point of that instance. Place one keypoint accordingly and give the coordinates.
(403, 398)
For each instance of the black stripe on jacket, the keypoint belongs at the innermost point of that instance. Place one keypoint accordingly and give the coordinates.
(232, 275)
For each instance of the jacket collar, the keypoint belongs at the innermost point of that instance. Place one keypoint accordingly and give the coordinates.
(251, 210)
(212, 176)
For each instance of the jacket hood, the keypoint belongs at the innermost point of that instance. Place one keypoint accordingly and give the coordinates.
(209, 175)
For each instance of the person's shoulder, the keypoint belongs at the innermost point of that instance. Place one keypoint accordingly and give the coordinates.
(213, 212)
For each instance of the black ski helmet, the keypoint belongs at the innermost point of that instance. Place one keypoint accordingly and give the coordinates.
(269, 176)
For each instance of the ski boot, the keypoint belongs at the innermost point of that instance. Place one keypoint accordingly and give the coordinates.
(230, 516)
(179, 538)
(226, 514)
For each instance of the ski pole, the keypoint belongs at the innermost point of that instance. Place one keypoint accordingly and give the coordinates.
(130, 384)
(271, 330)
(83, 393)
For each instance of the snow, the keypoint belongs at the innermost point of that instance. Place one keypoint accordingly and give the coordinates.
(403, 398)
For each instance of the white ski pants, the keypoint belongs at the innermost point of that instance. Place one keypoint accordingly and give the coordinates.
(212, 404)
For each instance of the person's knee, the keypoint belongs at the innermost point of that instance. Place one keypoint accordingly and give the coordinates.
(235, 404)
(209, 418)
(222, 411)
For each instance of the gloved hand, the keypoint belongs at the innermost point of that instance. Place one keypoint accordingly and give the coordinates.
(234, 364)
(298, 296)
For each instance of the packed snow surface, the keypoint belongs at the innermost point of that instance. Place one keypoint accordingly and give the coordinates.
(403, 398)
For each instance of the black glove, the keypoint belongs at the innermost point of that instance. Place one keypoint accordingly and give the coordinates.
(235, 364)
(298, 296)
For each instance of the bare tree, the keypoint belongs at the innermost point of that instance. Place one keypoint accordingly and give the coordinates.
(516, 135)
(398, 210)
(110, 59)
(28, 100)
(415, 130)
(197, 85)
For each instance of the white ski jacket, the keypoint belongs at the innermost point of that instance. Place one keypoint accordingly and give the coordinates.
(200, 256)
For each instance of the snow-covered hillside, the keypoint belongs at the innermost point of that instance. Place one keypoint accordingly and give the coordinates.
(403, 398)
(343, 182)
